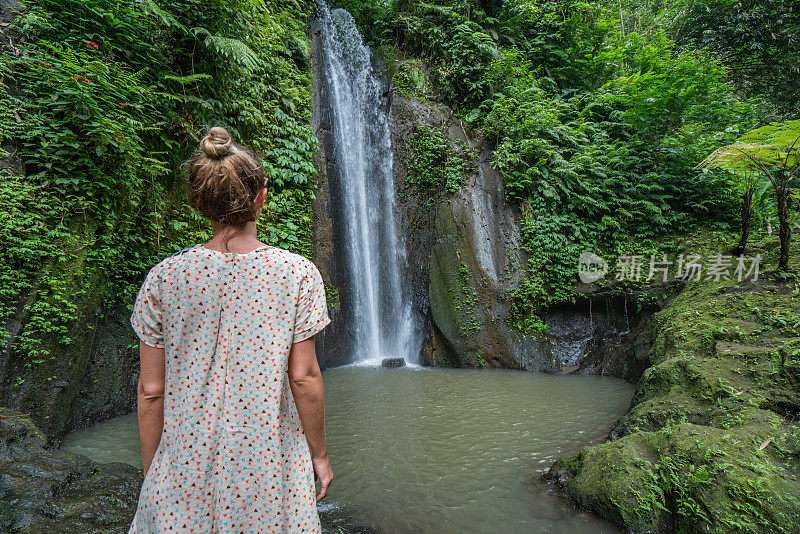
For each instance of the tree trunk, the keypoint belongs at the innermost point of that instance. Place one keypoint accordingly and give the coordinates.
(785, 231)
(747, 220)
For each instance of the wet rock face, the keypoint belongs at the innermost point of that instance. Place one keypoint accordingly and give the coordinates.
(606, 331)
(463, 252)
(45, 490)
(108, 387)
(393, 362)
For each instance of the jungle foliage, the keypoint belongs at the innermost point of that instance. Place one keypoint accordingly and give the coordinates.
(100, 102)
(600, 111)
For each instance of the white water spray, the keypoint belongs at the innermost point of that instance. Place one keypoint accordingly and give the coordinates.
(383, 326)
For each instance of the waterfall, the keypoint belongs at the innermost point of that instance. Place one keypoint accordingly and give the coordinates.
(373, 251)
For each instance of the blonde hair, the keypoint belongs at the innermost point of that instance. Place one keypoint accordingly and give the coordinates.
(224, 179)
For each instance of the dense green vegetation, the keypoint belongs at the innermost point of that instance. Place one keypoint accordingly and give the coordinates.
(100, 103)
(598, 111)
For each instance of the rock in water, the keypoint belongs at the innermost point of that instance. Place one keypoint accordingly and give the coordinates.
(393, 362)
(43, 489)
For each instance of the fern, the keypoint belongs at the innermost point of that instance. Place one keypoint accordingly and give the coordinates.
(231, 49)
(184, 99)
(152, 8)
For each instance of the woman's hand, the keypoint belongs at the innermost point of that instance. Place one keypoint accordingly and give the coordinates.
(323, 473)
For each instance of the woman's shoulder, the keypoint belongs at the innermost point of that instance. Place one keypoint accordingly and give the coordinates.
(160, 268)
(290, 259)
(296, 263)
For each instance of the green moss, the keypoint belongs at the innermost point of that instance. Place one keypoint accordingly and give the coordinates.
(710, 443)
(689, 478)
(332, 296)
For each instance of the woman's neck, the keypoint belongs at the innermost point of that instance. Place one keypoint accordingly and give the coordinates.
(229, 238)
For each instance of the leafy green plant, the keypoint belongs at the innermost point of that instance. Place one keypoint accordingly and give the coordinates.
(434, 164)
(410, 79)
(774, 152)
(101, 102)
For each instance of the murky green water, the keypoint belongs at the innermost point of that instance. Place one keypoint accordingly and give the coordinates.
(442, 450)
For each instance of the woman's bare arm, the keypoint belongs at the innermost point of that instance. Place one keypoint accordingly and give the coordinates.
(150, 407)
(305, 380)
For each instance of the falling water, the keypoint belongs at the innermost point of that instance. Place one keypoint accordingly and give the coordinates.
(627, 322)
(374, 259)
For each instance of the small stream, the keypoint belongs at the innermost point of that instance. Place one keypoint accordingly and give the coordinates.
(441, 451)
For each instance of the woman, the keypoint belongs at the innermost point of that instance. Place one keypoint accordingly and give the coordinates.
(230, 393)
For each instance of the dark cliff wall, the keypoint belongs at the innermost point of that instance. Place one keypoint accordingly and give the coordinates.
(89, 379)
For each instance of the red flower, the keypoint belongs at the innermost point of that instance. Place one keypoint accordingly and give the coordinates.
(120, 135)
(122, 104)
(92, 44)
(80, 78)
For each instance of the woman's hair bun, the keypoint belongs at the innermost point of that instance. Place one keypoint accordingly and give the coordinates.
(225, 178)
(217, 143)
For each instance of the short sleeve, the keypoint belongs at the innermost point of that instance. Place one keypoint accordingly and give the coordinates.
(146, 318)
(312, 310)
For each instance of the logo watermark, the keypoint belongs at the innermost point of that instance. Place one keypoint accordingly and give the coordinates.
(592, 267)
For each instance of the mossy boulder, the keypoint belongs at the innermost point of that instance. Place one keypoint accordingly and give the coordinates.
(691, 478)
(711, 442)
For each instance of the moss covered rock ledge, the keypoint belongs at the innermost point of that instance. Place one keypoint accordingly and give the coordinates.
(711, 440)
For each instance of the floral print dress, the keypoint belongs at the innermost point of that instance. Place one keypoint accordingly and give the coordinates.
(233, 457)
